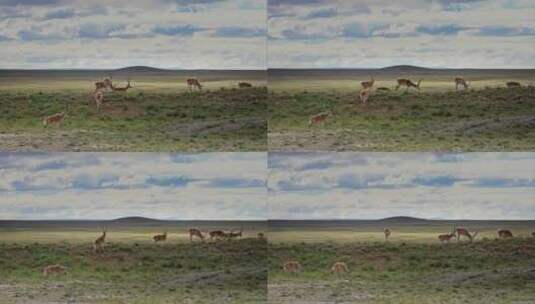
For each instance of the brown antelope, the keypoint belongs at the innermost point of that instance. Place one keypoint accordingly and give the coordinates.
(233, 234)
(459, 81)
(513, 84)
(98, 98)
(364, 95)
(218, 234)
(368, 84)
(464, 232)
(245, 85)
(160, 237)
(292, 267)
(262, 237)
(319, 118)
(446, 237)
(53, 269)
(97, 244)
(408, 83)
(504, 233)
(195, 232)
(193, 82)
(104, 84)
(339, 268)
(121, 89)
(387, 233)
(55, 119)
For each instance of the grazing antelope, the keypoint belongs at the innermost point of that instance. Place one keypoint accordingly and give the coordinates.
(459, 81)
(245, 85)
(233, 234)
(504, 233)
(54, 119)
(513, 84)
(98, 98)
(339, 268)
(160, 237)
(364, 95)
(464, 232)
(368, 84)
(195, 232)
(446, 237)
(387, 233)
(218, 234)
(262, 237)
(319, 118)
(408, 83)
(53, 269)
(97, 244)
(121, 89)
(104, 84)
(292, 267)
(193, 82)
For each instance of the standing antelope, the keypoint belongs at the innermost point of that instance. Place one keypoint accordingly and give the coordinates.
(262, 237)
(339, 268)
(368, 84)
(160, 237)
(98, 98)
(104, 84)
(446, 237)
(387, 233)
(319, 118)
(408, 83)
(364, 95)
(195, 232)
(54, 119)
(121, 89)
(97, 244)
(460, 81)
(292, 267)
(193, 82)
(513, 84)
(464, 232)
(233, 234)
(218, 234)
(53, 269)
(504, 233)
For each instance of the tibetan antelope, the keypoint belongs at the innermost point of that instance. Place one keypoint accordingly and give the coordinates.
(195, 232)
(104, 84)
(121, 89)
(218, 234)
(464, 232)
(513, 84)
(339, 268)
(233, 234)
(292, 267)
(160, 237)
(387, 233)
(459, 81)
(368, 84)
(262, 237)
(504, 233)
(97, 244)
(245, 85)
(364, 95)
(55, 119)
(446, 237)
(98, 98)
(53, 269)
(408, 83)
(193, 83)
(319, 118)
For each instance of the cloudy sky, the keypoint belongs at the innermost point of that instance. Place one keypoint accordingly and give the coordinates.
(190, 34)
(111, 185)
(379, 185)
(379, 33)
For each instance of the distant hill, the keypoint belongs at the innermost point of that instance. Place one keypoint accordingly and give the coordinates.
(140, 69)
(405, 68)
(402, 219)
(135, 219)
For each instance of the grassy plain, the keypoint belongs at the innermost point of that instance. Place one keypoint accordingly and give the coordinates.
(486, 117)
(132, 268)
(412, 267)
(158, 114)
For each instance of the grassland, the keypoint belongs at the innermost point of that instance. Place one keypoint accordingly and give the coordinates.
(132, 268)
(158, 114)
(486, 117)
(412, 267)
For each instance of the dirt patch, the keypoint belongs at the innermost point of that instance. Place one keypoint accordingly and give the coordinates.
(215, 126)
(486, 125)
(317, 293)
